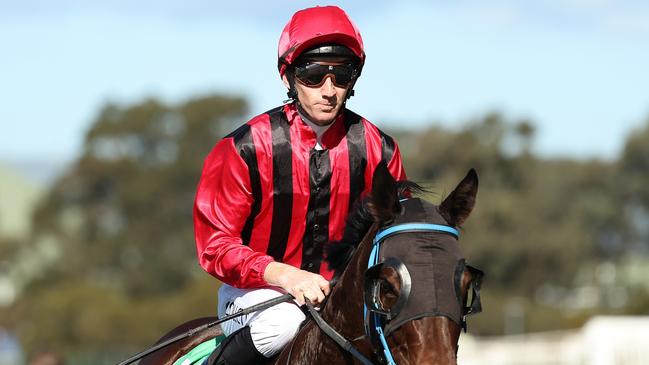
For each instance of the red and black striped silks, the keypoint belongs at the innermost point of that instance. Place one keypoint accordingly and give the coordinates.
(266, 194)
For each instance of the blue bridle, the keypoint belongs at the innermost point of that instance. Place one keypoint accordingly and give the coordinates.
(374, 260)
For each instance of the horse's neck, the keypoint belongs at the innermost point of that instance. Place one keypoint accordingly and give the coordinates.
(343, 312)
(346, 300)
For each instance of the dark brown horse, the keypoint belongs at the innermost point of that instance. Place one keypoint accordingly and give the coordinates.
(427, 328)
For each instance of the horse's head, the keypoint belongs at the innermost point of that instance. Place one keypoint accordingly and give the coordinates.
(417, 286)
(418, 291)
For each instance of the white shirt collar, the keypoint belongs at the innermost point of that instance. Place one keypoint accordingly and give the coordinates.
(318, 129)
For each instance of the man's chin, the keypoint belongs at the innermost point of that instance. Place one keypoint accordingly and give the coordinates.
(323, 120)
(325, 117)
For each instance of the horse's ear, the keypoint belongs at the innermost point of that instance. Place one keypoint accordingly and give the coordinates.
(459, 204)
(384, 201)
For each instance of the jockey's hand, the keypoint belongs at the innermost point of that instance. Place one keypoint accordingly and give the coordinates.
(299, 283)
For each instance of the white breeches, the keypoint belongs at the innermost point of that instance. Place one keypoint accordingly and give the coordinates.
(271, 329)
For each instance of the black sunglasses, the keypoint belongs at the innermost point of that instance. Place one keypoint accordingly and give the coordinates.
(315, 74)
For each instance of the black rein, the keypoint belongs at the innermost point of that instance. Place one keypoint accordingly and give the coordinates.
(334, 335)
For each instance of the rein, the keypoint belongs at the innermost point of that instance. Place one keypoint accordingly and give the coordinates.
(254, 308)
(334, 335)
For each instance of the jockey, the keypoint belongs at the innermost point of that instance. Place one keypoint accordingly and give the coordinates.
(279, 187)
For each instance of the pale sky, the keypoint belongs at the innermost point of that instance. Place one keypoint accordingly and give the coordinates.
(578, 68)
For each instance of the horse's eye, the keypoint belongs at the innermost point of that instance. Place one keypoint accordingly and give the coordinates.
(468, 298)
(388, 294)
(388, 290)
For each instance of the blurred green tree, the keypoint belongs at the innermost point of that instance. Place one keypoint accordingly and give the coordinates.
(118, 226)
(122, 214)
(633, 189)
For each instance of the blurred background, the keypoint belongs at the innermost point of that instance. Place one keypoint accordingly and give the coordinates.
(108, 109)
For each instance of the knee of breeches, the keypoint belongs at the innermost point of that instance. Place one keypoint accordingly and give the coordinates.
(290, 325)
(277, 329)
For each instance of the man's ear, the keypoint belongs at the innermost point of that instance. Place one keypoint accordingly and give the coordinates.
(459, 204)
(285, 81)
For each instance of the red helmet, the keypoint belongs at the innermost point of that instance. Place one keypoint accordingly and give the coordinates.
(319, 25)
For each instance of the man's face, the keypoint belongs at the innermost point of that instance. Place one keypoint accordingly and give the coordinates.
(321, 103)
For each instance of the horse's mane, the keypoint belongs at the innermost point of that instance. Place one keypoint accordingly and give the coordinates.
(359, 221)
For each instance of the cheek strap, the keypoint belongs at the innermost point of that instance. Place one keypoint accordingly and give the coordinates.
(476, 283)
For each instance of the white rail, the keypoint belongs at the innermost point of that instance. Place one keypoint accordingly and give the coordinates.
(606, 340)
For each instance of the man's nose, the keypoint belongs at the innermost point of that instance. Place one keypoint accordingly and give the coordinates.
(327, 88)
